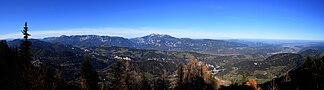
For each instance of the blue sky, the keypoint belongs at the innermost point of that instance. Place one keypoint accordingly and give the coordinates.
(214, 19)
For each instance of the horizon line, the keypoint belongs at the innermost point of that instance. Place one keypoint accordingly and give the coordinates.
(144, 31)
(172, 36)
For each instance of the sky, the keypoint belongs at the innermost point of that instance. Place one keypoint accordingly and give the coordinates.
(212, 19)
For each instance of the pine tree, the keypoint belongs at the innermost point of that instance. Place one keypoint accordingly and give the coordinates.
(89, 77)
(28, 75)
(25, 46)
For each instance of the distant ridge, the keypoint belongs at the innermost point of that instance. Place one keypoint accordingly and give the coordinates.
(152, 41)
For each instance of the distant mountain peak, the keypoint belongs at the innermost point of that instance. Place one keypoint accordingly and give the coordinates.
(63, 36)
(80, 36)
(156, 34)
(159, 35)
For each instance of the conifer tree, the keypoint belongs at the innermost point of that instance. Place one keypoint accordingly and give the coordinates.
(25, 45)
(29, 74)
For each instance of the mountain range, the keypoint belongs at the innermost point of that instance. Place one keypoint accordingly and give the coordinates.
(168, 43)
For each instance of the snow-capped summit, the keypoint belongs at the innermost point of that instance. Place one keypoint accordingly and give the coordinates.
(159, 35)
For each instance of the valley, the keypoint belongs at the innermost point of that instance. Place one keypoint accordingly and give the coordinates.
(259, 61)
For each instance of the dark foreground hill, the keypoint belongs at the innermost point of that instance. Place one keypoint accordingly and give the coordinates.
(308, 77)
(262, 71)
